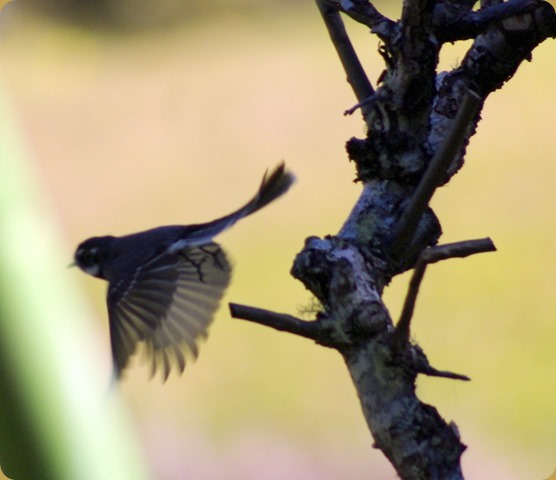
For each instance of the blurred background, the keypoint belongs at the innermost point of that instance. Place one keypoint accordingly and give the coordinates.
(138, 114)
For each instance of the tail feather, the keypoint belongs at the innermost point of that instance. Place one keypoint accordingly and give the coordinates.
(273, 185)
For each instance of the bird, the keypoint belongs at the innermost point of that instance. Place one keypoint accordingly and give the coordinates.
(166, 283)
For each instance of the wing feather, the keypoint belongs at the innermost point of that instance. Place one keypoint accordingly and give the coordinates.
(168, 306)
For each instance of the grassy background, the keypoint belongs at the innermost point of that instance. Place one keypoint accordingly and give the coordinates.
(177, 126)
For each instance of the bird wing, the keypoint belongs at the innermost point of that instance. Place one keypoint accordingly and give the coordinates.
(167, 305)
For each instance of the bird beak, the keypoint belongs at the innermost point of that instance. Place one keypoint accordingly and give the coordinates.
(72, 264)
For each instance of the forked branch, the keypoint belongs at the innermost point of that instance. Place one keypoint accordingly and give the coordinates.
(433, 255)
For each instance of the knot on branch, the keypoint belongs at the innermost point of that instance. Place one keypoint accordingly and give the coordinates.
(311, 267)
(342, 278)
(387, 155)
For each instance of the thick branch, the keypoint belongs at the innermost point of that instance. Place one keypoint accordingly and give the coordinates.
(416, 12)
(434, 173)
(411, 434)
(497, 53)
(492, 60)
(449, 26)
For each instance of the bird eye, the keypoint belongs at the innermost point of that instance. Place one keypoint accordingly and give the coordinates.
(88, 256)
(87, 260)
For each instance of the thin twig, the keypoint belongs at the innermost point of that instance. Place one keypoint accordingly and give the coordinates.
(356, 76)
(461, 249)
(366, 102)
(444, 156)
(433, 372)
(279, 321)
(421, 365)
(433, 255)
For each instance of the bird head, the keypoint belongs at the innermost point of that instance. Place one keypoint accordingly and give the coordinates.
(89, 255)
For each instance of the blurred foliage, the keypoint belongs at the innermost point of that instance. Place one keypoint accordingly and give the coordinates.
(139, 14)
(54, 423)
(125, 15)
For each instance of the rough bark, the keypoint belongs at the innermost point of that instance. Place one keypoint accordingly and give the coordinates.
(419, 123)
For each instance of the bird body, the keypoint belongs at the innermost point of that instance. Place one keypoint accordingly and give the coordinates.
(165, 284)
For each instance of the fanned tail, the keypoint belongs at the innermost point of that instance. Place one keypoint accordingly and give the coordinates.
(273, 185)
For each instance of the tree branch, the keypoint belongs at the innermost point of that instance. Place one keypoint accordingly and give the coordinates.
(433, 255)
(430, 181)
(278, 321)
(356, 76)
(433, 372)
(411, 434)
(418, 123)
(364, 12)
(451, 26)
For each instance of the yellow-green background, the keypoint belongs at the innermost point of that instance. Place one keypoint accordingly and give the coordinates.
(177, 125)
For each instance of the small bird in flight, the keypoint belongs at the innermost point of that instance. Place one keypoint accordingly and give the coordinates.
(165, 284)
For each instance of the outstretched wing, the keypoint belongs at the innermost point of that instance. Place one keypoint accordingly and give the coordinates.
(167, 305)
